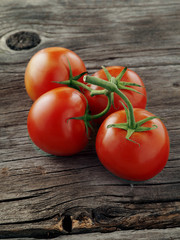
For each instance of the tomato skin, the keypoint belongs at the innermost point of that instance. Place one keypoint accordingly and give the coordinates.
(48, 124)
(48, 65)
(129, 160)
(99, 102)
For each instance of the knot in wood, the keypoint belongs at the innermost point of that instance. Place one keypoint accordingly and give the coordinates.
(23, 40)
(176, 84)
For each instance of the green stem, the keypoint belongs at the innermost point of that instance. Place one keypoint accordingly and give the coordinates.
(112, 87)
(99, 92)
(82, 85)
(100, 82)
(76, 83)
(91, 117)
(132, 122)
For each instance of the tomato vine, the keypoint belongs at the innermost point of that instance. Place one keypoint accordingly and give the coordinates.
(68, 106)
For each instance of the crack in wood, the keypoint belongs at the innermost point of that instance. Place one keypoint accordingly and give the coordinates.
(21, 198)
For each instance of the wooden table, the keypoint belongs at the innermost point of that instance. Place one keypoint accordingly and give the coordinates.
(42, 196)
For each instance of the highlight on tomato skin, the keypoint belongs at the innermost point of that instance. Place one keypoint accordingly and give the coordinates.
(49, 65)
(49, 124)
(136, 161)
(98, 103)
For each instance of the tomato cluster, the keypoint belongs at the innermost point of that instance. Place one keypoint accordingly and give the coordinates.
(131, 142)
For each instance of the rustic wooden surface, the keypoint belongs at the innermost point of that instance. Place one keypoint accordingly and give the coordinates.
(43, 196)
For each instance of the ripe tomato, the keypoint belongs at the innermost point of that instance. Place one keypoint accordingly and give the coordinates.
(48, 124)
(99, 102)
(48, 65)
(127, 159)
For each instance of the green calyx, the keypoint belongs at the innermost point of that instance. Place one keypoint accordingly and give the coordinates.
(130, 131)
(72, 82)
(137, 127)
(121, 84)
(87, 118)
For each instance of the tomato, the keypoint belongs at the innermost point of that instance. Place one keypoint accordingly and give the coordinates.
(48, 65)
(133, 161)
(48, 124)
(99, 102)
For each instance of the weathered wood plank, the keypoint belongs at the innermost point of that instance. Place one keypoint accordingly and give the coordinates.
(154, 234)
(163, 234)
(40, 194)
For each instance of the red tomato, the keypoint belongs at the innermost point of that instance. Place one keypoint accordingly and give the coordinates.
(48, 124)
(99, 102)
(129, 160)
(48, 65)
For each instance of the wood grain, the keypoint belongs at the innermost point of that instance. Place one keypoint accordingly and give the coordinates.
(43, 195)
